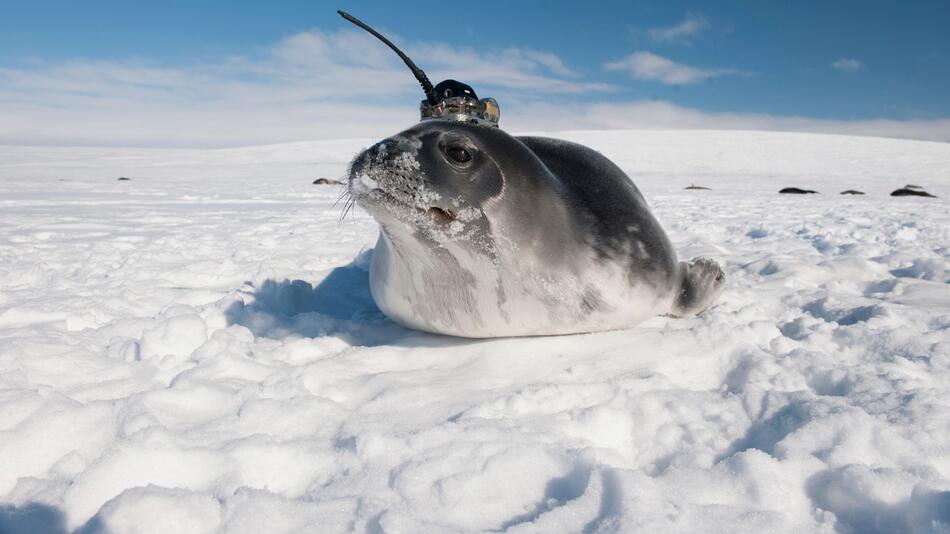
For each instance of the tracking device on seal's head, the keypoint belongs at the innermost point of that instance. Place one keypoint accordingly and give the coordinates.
(449, 100)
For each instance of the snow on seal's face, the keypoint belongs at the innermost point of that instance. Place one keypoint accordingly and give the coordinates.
(429, 183)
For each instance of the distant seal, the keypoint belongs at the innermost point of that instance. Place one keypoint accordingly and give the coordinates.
(797, 191)
(483, 234)
(911, 191)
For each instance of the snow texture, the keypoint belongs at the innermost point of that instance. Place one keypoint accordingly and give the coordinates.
(196, 350)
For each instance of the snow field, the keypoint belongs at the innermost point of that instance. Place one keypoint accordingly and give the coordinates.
(196, 350)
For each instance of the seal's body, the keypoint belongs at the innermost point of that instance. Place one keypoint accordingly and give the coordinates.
(483, 235)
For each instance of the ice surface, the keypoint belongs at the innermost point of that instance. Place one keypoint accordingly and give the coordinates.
(196, 350)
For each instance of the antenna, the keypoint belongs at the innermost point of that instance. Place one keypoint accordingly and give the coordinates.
(421, 76)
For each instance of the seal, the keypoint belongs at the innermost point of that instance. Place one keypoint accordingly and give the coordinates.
(911, 191)
(797, 191)
(483, 234)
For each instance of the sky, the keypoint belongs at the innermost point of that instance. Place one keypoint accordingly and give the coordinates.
(216, 74)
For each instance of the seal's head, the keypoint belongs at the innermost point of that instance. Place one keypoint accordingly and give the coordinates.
(444, 181)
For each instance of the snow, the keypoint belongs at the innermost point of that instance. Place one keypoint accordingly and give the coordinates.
(196, 350)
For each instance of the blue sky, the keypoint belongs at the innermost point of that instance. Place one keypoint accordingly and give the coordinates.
(203, 73)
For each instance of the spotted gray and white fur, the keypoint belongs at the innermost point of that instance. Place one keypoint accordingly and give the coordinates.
(527, 236)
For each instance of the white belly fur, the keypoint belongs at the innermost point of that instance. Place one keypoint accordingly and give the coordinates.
(484, 298)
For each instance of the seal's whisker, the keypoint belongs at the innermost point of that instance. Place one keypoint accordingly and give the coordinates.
(348, 205)
(338, 199)
(344, 193)
(346, 196)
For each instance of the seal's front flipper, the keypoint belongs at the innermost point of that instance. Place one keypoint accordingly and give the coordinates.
(702, 283)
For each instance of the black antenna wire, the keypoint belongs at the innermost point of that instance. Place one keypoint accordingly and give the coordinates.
(421, 76)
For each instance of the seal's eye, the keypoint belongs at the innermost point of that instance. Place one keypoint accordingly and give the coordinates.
(458, 154)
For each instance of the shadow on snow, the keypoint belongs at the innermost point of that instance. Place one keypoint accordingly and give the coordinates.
(33, 517)
(341, 305)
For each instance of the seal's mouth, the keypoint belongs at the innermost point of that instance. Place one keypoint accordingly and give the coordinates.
(441, 216)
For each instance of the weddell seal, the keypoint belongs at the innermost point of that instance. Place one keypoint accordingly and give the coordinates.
(483, 234)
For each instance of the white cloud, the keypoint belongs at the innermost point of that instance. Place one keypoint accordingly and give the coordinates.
(693, 25)
(230, 125)
(847, 64)
(511, 69)
(661, 115)
(309, 85)
(649, 66)
(319, 85)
